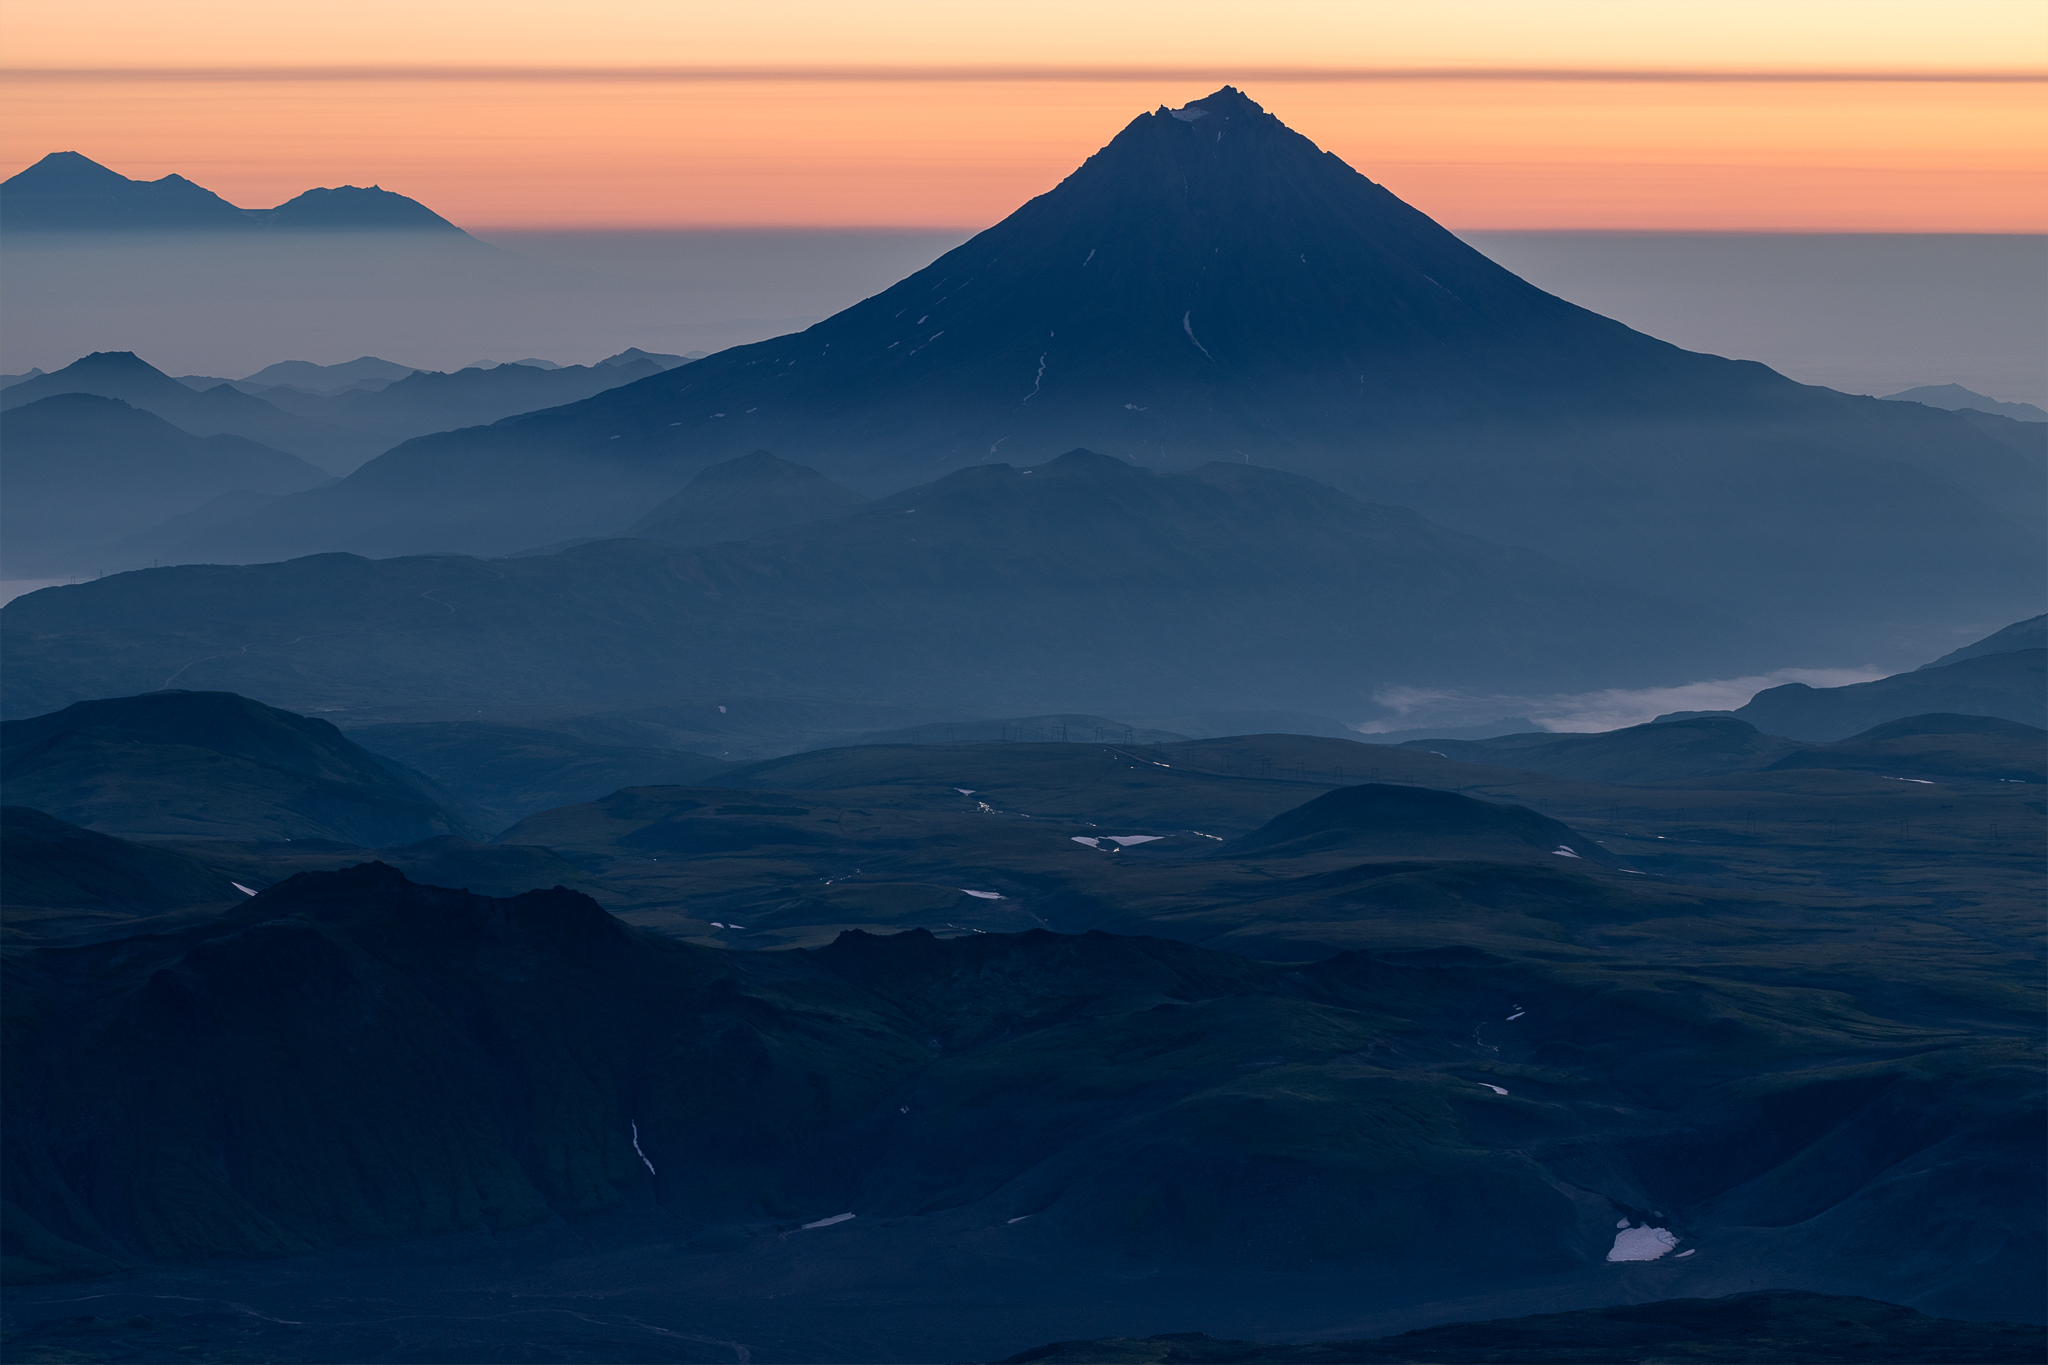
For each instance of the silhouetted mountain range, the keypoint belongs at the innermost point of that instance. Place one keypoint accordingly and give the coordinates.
(82, 472)
(216, 411)
(743, 498)
(2029, 634)
(1954, 397)
(1211, 286)
(1971, 748)
(1083, 578)
(66, 192)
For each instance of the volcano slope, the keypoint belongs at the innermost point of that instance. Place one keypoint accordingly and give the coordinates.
(1210, 286)
(1026, 1129)
(1083, 577)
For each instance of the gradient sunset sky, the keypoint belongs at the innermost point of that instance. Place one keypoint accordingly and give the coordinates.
(1769, 115)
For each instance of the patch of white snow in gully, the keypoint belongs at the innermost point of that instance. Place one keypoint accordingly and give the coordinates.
(1641, 1244)
(838, 1218)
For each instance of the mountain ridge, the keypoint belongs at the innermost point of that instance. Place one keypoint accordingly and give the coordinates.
(70, 193)
(1210, 286)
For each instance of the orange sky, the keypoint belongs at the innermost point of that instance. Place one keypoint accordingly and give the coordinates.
(1648, 114)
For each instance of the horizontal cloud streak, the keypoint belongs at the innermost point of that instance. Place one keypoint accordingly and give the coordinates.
(1010, 74)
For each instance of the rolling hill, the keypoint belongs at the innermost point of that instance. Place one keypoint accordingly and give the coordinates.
(1082, 580)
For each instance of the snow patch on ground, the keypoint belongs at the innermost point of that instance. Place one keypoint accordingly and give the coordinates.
(828, 1222)
(1187, 324)
(1494, 1088)
(982, 895)
(243, 889)
(1641, 1244)
(637, 1152)
(1128, 839)
(1563, 852)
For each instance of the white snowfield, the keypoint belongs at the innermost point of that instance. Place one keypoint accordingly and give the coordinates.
(245, 890)
(1563, 852)
(1120, 840)
(1641, 1244)
(1494, 1088)
(983, 895)
(828, 1222)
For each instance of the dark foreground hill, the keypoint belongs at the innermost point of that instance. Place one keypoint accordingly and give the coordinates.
(211, 764)
(1082, 584)
(349, 1058)
(1770, 1327)
(1211, 286)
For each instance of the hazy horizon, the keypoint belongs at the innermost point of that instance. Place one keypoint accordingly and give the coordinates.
(1865, 313)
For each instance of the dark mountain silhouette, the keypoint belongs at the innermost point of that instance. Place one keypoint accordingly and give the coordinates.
(83, 471)
(1979, 748)
(30, 373)
(1937, 745)
(349, 1058)
(216, 411)
(1953, 397)
(1384, 821)
(67, 192)
(2028, 634)
(661, 358)
(1084, 579)
(64, 881)
(304, 374)
(739, 499)
(351, 208)
(2011, 686)
(1785, 1325)
(1211, 286)
(504, 773)
(430, 400)
(1658, 752)
(211, 764)
(1070, 726)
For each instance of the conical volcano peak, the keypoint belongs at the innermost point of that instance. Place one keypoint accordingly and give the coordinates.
(1226, 103)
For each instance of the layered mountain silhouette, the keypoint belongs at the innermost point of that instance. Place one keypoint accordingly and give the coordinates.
(431, 400)
(2003, 675)
(1084, 579)
(67, 192)
(2029, 634)
(740, 499)
(216, 411)
(1211, 286)
(1937, 745)
(212, 764)
(2011, 686)
(82, 471)
(1954, 397)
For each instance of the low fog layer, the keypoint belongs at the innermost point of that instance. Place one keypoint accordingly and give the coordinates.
(1866, 314)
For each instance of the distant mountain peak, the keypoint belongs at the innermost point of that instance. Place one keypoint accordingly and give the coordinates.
(1956, 398)
(68, 192)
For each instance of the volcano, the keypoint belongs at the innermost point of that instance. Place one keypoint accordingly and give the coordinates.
(1212, 286)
